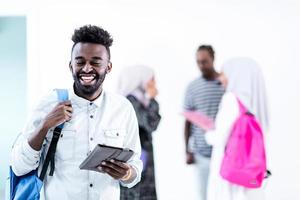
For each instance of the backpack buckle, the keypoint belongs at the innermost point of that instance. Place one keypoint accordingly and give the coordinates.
(249, 113)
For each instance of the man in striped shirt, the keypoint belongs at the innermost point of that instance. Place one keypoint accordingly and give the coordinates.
(204, 95)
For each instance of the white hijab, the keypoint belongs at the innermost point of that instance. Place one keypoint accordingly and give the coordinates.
(133, 81)
(245, 80)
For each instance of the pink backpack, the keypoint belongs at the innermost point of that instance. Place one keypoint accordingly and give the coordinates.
(244, 161)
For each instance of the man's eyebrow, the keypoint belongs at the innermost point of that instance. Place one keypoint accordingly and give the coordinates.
(97, 58)
(79, 57)
(94, 58)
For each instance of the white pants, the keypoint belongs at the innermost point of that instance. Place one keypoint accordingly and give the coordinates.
(202, 168)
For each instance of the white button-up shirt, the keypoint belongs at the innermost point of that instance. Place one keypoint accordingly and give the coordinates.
(109, 120)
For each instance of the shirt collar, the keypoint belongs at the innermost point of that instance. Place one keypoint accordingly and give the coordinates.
(84, 102)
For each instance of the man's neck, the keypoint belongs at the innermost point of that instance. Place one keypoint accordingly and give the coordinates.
(92, 97)
(213, 76)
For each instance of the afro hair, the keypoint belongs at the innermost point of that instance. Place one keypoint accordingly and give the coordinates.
(92, 34)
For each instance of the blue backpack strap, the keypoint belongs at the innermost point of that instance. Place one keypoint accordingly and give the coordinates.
(62, 95)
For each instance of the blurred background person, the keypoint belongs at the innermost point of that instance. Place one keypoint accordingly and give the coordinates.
(204, 95)
(138, 84)
(242, 78)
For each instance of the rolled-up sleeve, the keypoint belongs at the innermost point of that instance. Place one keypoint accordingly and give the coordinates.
(132, 142)
(24, 158)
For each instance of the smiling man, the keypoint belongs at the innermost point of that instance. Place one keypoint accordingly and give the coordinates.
(92, 116)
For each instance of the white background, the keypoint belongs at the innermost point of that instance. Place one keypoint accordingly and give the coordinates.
(165, 35)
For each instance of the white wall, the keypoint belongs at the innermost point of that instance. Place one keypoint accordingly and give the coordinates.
(164, 35)
(12, 64)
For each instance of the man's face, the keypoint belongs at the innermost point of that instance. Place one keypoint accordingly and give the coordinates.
(89, 65)
(205, 63)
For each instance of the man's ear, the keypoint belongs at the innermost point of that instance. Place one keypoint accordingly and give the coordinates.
(70, 66)
(109, 67)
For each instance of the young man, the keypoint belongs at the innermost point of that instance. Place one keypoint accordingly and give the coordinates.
(92, 116)
(204, 95)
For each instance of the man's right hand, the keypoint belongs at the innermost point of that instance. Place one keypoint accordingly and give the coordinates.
(190, 158)
(61, 113)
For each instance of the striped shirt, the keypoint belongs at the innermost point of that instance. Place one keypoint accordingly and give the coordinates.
(204, 96)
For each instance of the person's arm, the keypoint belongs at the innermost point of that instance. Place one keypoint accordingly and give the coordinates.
(188, 106)
(133, 142)
(26, 151)
(129, 174)
(187, 127)
(61, 113)
(189, 156)
(227, 114)
(153, 110)
(148, 118)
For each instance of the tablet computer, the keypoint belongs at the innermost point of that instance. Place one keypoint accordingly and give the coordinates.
(105, 153)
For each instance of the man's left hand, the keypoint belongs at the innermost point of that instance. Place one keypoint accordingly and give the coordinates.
(116, 169)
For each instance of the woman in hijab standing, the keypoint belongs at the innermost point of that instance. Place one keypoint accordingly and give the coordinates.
(137, 83)
(243, 79)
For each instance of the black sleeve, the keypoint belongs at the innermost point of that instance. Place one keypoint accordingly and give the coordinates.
(148, 117)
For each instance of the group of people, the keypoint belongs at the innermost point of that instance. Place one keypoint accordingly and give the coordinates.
(93, 116)
(215, 95)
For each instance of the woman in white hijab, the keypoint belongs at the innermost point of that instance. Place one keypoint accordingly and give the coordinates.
(137, 83)
(242, 78)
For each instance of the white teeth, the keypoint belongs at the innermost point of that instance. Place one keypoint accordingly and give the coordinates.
(87, 78)
(87, 75)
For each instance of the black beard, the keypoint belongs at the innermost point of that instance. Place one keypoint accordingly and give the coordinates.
(88, 91)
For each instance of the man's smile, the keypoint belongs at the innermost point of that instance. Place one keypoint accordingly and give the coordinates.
(87, 79)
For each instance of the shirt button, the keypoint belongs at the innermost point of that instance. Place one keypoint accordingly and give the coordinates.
(91, 139)
(91, 116)
(91, 185)
(91, 103)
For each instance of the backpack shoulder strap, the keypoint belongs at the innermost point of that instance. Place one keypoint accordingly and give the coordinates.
(242, 108)
(62, 95)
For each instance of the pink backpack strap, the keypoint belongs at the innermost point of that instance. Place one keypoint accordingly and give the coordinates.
(243, 109)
